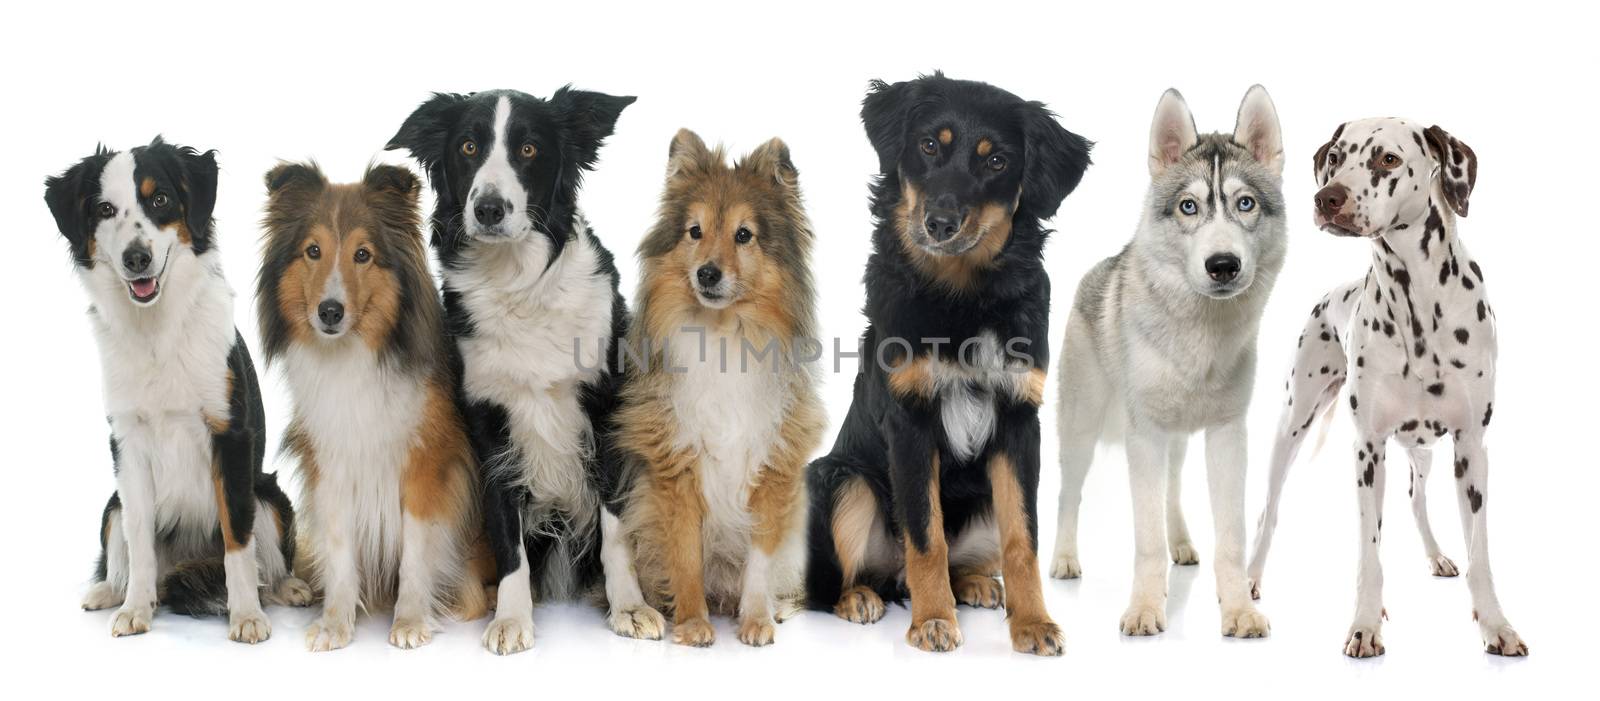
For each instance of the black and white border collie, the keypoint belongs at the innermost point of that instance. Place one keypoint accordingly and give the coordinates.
(531, 299)
(194, 522)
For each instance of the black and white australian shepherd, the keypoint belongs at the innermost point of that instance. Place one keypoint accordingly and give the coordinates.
(930, 489)
(194, 522)
(349, 311)
(531, 299)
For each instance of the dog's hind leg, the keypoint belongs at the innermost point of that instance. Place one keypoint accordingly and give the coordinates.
(1421, 462)
(111, 572)
(1472, 482)
(1178, 542)
(628, 614)
(1081, 417)
(1313, 386)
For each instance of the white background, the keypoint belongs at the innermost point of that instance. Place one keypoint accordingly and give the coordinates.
(262, 82)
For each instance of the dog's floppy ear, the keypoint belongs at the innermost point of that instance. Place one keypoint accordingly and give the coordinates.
(200, 193)
(884, 113)
(588, 118)
(772, 160)
(424, 132)
(1056, 159)
(687, 153)
(1458, 166)
(1258, 129)
(1320, 160)
(67, 195)
(1172, 132)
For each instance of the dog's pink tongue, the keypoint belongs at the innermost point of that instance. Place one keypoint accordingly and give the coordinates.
(144, 287)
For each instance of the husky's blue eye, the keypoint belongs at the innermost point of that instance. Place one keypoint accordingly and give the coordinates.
(1188, 207)
(1247, 203)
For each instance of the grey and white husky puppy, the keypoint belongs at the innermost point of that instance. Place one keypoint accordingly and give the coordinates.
(1161, 343)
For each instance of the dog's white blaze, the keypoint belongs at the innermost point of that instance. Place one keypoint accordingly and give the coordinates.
(112, 236)
(496, 176)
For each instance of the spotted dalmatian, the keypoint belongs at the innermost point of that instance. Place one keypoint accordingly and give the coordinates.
(1413, 341)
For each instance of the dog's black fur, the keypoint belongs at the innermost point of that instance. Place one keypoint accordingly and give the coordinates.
(571, 125)
(889, 441)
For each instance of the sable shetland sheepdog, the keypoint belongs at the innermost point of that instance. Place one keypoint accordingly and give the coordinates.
(720, 419)
(389, 482)
(531, 299)
(194, 522)
(931, 486)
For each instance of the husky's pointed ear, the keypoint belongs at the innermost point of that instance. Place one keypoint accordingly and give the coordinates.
(424, 132)
(199, 192)
(1257, 128)
(772, 160)
(1458, 167)
(68, 196)
(1056, 159)
(884, 113)
(588, 118)
(687, 153)
(1172, 132)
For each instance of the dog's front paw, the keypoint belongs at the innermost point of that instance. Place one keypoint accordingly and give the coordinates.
(1364, 641)
(131, 620)
(1442, 566)
(409, 634)
(1042, 638)
(859, 605)
(508, 635)
(1066, 567)
(641, 622)
(1144, 619)
(980, 591)
(101, 596)
(1503, 640)
(1245, 622)
(694, 632)
(249, 627)
(757, 631)
(935, 635)
(329, 633)
(292, 591)
(1184, 554)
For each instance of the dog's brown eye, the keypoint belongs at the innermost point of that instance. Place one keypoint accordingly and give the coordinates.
(997, 163)
(694, 232)
(159, 201)
(1391, 160)
(107, 210)
(363, 255)
(743, 235)
(313, 251)
(469, 148)
(929, 147)
(528, 151)
(1333, 158)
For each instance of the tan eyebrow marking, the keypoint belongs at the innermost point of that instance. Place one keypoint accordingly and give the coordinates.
(945, 136)
(147, 187)
(984, 147)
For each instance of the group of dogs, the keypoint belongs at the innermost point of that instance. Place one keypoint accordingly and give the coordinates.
(522, 435)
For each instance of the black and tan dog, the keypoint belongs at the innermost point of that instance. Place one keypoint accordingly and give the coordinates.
(934, 475)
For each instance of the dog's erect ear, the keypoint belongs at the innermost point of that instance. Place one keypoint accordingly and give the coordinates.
(67, 196)
(392, 179)
(1458, 166)
(424, 132)
(294, 177)
(772, 160)
(1056, 159)
(200, 189)
(688, 153)
(884, 113)
(1320, 160)
(1172, 132)
(1257, 128)
(588, 118)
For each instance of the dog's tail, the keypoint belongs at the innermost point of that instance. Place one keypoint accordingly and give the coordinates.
(1324, 425)
(197, 588)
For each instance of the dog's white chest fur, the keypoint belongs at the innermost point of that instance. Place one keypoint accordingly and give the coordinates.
(968, 389)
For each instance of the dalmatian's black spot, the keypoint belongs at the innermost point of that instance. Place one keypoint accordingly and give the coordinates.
(1367, 475)
(1444, 273)
(1421, 347)
(1436, 389)
(1473, 265)
(1482, 311)
(1326, 337)
(1409, 425)
(1457, 364)
(1353, 402)
(1388, 329)
(1461, 334)
(1488, 412)
(1467, 282)
(1461, 468)
(1361, 361)
(1475, 497)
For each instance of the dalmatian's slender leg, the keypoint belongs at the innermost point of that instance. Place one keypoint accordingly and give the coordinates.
(1365, 638)
(1421, 463)
(1472, 482)
(1178, 542)
(1313, 386)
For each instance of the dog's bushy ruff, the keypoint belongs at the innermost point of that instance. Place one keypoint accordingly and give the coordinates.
(933, 478)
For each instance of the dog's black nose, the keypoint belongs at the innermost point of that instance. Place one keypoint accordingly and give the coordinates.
(331, 312)
(1330, 200)
(136, 259)
(708, 275)
(1223, 267)
(942, 224)
(490, 211)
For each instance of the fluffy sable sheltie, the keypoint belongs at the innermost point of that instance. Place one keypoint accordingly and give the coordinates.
(930, 489)
(194, 522)
(531, 300)
(723, 413)
(388, 479)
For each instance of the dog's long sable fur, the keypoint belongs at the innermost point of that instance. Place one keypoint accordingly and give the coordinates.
(532, 302)
(935, 469)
